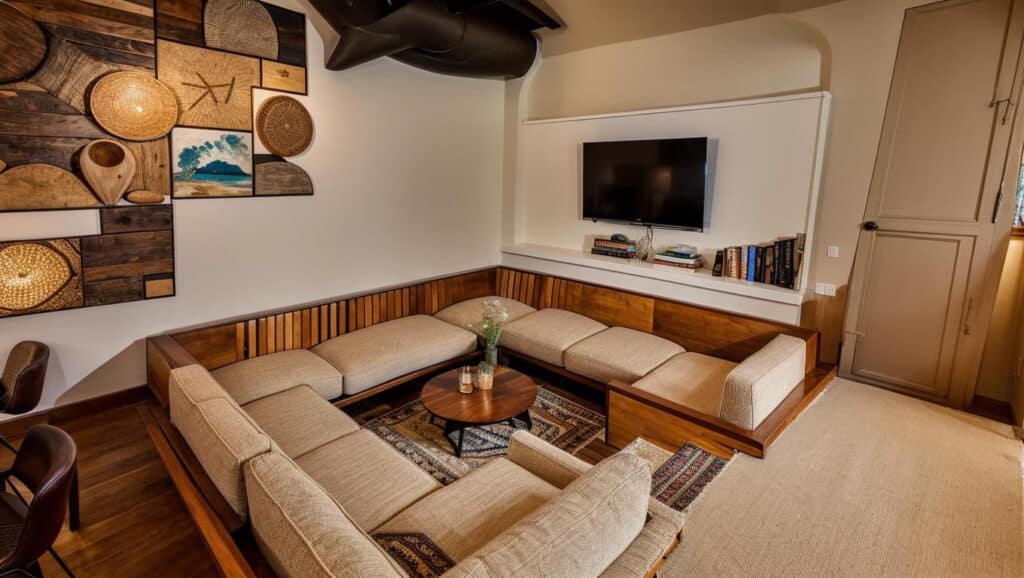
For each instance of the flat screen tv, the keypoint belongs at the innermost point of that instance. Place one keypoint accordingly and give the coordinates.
(662, 183)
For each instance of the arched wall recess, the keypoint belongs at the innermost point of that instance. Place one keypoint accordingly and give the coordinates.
(764, 56)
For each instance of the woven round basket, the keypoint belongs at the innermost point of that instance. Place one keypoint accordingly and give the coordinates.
(242, 26)
(133, 106)
(30, 273)
(284, 126)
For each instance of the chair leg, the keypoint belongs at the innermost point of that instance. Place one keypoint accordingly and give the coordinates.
(60, 562)
(74, 509)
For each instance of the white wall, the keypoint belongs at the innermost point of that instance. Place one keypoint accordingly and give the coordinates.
(406, 166)
(764, 174)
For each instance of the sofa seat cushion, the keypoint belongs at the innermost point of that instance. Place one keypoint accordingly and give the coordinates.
(579, 533)
(546, 334)
(619, 354)
(299, 420)
(467, 314)
(462, 517)
(266, 375)
(691, 379)
(370, 480)
(382, 352)
(302, 531)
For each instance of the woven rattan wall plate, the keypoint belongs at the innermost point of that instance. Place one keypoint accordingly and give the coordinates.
(284, 126)
(133, 106)
(242, 26)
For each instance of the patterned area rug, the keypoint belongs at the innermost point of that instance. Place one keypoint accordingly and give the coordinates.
(678, 478)
(557, 420)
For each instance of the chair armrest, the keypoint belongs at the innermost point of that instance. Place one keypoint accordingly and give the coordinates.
(556, 467)
(758, 385)
(656, 541)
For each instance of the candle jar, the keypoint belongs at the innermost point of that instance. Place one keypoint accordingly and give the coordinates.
(466, 380)
(485, 376)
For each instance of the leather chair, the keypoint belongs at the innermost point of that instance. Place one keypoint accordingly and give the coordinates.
(21, 383)
(45, 465)
(21, 387)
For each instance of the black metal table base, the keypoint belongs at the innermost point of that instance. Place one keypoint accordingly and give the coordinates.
(452, 426)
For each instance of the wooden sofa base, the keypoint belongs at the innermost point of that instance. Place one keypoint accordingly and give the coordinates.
(634, 413)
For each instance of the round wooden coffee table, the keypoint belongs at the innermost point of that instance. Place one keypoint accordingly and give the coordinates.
(511, 398)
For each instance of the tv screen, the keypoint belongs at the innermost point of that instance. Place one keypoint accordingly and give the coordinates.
(653, 182)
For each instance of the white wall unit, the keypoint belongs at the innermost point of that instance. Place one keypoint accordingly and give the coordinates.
(733, 295)
(766, 179)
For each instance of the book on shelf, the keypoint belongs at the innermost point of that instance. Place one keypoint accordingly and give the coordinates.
(673, 265)
(751, 262)
(676, 259)
(775, 263)
(735, 262)
(609, 244)
(613, 253)
(744, 266)
(716, 270)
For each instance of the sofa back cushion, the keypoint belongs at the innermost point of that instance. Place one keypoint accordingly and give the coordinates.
(221, 435)
(302, 531)
(755, 387)
(579, 533)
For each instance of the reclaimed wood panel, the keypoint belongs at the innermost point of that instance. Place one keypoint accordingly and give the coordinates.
(284, 77)
(136, 219)
(291, 34)
(180, 20)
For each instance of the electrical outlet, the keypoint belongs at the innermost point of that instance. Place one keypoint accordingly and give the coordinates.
(828, 289)
(833, 251)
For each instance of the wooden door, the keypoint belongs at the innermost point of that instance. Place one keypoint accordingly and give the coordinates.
(913, 322)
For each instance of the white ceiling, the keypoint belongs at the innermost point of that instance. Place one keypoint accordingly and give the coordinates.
(590, 23)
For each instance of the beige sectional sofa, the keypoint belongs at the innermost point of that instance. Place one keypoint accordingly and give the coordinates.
(327, 498)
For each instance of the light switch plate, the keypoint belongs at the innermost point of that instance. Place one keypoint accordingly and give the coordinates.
(833, 251)
(828, 289)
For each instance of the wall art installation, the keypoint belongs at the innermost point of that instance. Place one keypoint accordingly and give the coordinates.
(211, 163)
(123, 107)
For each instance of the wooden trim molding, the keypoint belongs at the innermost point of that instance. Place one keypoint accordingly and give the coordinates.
(1017, 232)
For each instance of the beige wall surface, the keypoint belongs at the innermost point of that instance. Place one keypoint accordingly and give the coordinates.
(406, 167)
(848, 48)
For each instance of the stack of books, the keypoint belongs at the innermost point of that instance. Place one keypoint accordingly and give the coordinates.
(679, 257)
(609, 248)
(775, 263)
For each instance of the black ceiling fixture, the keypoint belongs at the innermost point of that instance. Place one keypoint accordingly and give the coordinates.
(479, 38)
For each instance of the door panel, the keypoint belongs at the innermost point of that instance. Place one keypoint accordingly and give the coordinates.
(940, 119)
(912, 309)
(914, 319)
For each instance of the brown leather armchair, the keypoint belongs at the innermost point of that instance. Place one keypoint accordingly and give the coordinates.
(45, 465)
(21, 383)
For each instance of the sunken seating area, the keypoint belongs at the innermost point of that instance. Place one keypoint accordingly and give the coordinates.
(324, 496)
(273, 384)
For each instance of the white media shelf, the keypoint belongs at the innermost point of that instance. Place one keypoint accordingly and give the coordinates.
(747, 297)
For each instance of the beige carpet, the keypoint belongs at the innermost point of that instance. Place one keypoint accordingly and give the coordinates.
(865, 483)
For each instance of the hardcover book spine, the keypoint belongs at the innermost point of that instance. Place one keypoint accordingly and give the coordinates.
(716, 270)
(751, 262)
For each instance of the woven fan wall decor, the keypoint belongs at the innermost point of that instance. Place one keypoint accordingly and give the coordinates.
(133, 105)
(242, 26)
(284, 126)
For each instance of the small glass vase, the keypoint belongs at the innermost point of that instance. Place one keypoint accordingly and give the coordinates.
(485, 376)
(491, 356)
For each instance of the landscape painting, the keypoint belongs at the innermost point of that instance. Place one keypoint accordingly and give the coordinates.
(211, 163)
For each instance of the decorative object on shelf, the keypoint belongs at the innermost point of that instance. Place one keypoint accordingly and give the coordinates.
(211, 163)
(284, 126)
(242, 26)
(68, 72)
(213, 88)
(276, 176)
(22, 44)
(144, 197)
(39, 276)
(133, 106)
(493, 319)
(39, 186)
(285, 77)
(485, 376)
(466, 379)
(109, 168)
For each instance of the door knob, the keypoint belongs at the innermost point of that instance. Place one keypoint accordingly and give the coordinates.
(870, 226)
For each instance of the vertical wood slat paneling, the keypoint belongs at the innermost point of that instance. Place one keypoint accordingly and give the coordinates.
(299, 329)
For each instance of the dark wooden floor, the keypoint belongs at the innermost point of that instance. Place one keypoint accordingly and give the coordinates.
(133, 522)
